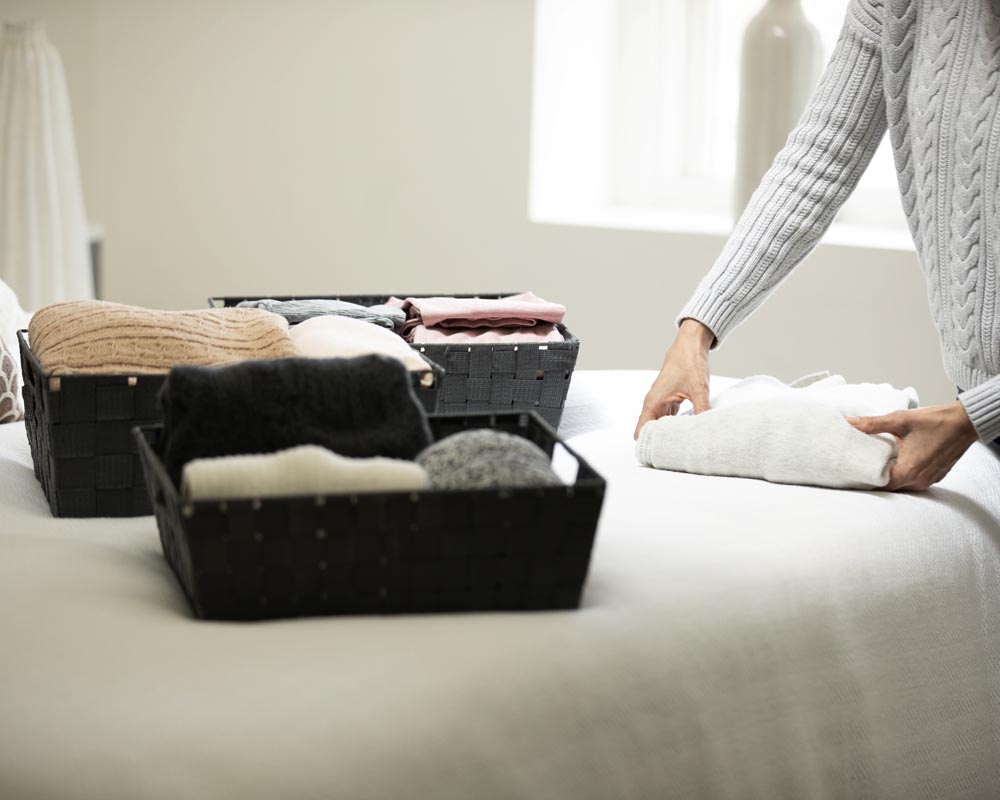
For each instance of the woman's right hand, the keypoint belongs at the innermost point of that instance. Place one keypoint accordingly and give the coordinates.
(683, 376)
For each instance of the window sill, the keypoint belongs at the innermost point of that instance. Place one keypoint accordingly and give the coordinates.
(840, 234)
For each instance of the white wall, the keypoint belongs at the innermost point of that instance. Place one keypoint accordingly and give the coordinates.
(247, 146)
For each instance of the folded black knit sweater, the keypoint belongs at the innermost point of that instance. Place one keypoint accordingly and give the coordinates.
(356, 407)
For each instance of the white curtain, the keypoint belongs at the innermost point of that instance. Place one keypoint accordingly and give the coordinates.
(44, 252)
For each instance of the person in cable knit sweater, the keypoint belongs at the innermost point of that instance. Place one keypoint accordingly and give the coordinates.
(928, 73)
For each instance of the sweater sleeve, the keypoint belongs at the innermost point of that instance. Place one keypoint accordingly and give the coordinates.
(811, 177)
(982, 404)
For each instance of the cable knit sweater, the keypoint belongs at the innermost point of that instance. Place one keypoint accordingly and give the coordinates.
(926, 70)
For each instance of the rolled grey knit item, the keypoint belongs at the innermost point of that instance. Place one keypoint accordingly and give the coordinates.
(296, 311)
(486, 459)
(929, 71)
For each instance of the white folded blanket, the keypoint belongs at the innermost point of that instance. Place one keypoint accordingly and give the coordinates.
(304, 470)
(762, 428)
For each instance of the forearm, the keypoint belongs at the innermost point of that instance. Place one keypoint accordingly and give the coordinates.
(811, 178)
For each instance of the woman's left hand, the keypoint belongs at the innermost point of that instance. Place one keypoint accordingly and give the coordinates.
(931, 440)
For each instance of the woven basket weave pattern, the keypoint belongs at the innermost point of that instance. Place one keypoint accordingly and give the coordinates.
(80, 433)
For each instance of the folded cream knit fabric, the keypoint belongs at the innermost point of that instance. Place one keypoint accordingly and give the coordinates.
(342, 337)
(761, 428)
(91, 336)
(304, 470)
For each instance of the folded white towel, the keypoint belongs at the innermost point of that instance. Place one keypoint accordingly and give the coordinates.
(342, 337)
(304, 470)
(761, 428)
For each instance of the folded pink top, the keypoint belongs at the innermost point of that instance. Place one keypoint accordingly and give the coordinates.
(421, 334)
(517, 311)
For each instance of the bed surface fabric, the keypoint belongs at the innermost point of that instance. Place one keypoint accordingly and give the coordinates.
(737, 639)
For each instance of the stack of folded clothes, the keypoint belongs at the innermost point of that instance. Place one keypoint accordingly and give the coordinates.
(95, 337)
(520, 318)
(295, 426)
(316, 426)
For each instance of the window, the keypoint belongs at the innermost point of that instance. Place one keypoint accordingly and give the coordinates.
(635, 115)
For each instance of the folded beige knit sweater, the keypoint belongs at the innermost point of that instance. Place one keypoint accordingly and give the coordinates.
(91, 336)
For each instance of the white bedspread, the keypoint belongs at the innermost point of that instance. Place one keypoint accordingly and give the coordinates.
(738, 639)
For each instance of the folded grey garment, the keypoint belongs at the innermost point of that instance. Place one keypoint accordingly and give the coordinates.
(487, 459)
(296, 311)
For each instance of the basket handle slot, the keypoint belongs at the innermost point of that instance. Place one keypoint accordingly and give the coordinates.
(565, 464)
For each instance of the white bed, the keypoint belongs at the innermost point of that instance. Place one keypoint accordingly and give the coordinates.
(737, 639)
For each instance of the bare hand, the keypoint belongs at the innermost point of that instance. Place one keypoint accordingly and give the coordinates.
(931, 440)
(683, 376)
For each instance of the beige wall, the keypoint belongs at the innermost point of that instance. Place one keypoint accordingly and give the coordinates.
(382, 145)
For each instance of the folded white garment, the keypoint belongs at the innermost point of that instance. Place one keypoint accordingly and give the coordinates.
(304, 470)
(851, 399)
(342, 337)
(762, 428)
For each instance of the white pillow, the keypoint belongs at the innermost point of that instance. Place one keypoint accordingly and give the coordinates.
(11, 409)
(12, 318)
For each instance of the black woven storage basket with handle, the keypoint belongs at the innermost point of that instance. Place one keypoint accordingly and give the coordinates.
(484, 377)
(383, 553)
(80, 433)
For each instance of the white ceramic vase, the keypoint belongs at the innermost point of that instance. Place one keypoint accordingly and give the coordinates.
(781, 62)
(44, 254)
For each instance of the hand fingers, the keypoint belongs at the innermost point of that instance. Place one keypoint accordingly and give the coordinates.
(646, 416)
(905, 476)
(649, 413)
(895, 478)
(889, 423)
(903, 480)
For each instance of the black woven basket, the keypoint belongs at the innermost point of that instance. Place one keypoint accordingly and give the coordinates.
(382, 553)
(485, 377)
(80, 433)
